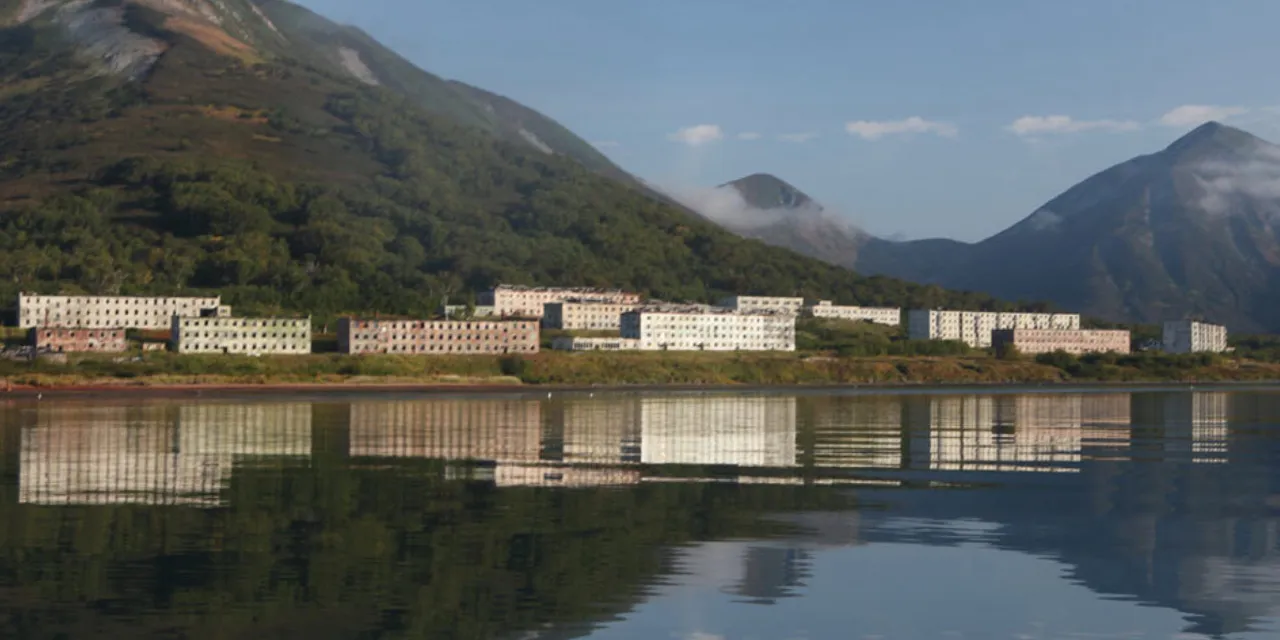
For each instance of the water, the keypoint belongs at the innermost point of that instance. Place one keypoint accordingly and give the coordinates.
(695, 516)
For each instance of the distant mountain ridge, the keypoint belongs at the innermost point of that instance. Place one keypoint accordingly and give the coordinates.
(1192, 230)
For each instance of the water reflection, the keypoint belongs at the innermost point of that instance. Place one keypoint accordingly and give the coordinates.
(1170, 500)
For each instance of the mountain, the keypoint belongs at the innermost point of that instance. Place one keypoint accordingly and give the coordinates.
(295, 165)
(768, 208)
(1192, 230)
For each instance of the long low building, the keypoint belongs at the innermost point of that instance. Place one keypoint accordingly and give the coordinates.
(763, 303)
(112, 312)
(577, 343)
(585, 314)
(974, 327)
(1075, 341)
(242, 336)
(891, 316)
(61, 340)
(703, 328)
(528, 302)
(438, 337)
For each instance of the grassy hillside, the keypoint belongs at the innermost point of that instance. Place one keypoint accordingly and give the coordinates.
(289, 187)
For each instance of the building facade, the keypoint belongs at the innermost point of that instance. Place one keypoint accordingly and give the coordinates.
(700, 328)
(527, 302)
(974, 327)
(60, 340)
(1076, 341)
(891, 316)
(584, 315)
(242, 336)
(763, 303)
(1189, 336)
(437, 337)
(110, 312)
(576, 343)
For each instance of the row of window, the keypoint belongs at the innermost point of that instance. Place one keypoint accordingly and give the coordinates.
(237, 335)
(426, 324)
(240, 347)
(228, 323)
(444, 348)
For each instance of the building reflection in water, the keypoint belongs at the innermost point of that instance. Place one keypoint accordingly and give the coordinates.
(150, 454)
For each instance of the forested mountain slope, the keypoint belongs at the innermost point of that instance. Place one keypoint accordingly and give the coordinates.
(177, 153)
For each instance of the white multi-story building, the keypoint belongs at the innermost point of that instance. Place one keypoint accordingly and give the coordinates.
(528, 302)
(585, 314)
(891, 316)
(111, 312)
(763, 303)
(974, 327)
(703, 328)
(1189, 336)
(243, 336)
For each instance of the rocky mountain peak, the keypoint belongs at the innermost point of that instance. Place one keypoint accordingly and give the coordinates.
(1212, 139)
(765, 191)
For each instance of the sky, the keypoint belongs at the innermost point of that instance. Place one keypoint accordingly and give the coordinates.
(929, 118)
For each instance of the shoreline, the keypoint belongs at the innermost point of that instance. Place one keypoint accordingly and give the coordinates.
(226, 390)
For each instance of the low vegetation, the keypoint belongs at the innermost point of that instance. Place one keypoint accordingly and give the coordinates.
(622, 368)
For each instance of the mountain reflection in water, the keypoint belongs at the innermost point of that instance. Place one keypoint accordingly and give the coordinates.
(689, 515)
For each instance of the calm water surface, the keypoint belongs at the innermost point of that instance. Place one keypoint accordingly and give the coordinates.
(693, 516)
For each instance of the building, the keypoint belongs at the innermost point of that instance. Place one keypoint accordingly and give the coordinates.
(575, 343)
(242, 336)
(891, 316)
(510, 300)
(111, 312)
(466, 311)
(1189, 336)
(1077, 341)
(974, 327)
(437, 337)
(585, 314)
(60, 340)
(703, 328)
(763, 303)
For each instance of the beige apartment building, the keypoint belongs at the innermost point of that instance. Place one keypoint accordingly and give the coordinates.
(891, 316)
(1189, 336)
(703, 328)
(974, 327)
(242, 336)
(111, 312)
(510, 300)
(1075, 341)
(585, 314)
(437, 337)
(763, 303)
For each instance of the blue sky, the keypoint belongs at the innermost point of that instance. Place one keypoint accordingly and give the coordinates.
(901, 115)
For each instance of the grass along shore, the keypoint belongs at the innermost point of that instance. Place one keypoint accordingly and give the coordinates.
(620, 369)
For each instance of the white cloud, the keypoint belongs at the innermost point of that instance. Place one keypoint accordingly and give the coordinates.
(797, 137)
(606, 144)
(1241, 185)
(698, 134)
(748, 135)
(702, 635)
(1036, 125)
(1189, 115)
(876, 129)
